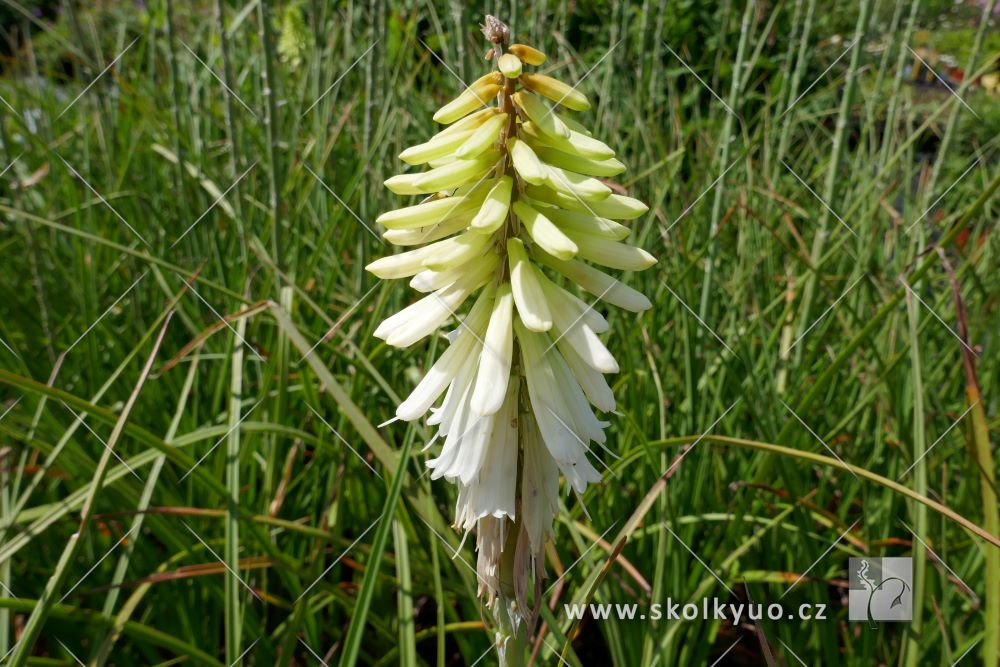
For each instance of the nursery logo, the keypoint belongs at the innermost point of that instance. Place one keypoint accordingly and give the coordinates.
(881, 590)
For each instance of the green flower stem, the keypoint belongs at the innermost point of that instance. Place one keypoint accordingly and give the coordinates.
(512, 634)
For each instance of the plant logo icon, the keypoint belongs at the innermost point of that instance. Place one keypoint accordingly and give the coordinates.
(881, 589)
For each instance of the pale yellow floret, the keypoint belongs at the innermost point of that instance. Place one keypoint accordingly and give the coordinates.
(526, 163)
(420, 235)
(575, 143)
(556, 90)
(445, 177)
(576, 185)
(482, 138)
(470, 122)
(539, 114)
(509, 65)
(598, 283)
(612, 254)
(527, 289)
(614, 206)
(493, 212)
(578, 163)
(436, 147)
(455, 250)
(528, 54)
(431, 212)
(585, 223)
(477, 95)
(549, 237)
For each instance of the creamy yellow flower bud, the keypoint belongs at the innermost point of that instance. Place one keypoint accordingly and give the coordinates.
(574, 124)
(539, 114)
(482, 138)
(402, 265)
(456, 250)
(592, 382)
(493, 212)
(420, 319)
(438, 146)
(444, 177)
(614, 206)
(612, 254)
(566, 321)
(597, 283)
(549, 237)
(576, 185)
(556, 90)
(495, 359)
(578, 163)
(429, 280)
(420, 235)
(477, 95)
(585, 223)
(582, 313)
(470, 122)
(404, 184)
(527, 289)
(509, 65)
(576, 143)
(457, 173)
(527, 54)
(527, 164)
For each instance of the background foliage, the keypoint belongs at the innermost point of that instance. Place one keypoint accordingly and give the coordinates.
(227, 167)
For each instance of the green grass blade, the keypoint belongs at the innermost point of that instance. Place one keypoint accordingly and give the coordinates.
(407, 631)
(352, 643)
(33, 627)
(911, 650)
(132, 629)
(234, 586)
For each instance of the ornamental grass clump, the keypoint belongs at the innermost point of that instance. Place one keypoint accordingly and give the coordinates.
(515, 212)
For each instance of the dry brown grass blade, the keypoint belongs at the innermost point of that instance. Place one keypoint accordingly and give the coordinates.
(214, 328)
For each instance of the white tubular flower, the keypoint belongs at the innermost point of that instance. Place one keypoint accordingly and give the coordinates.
(515, 187)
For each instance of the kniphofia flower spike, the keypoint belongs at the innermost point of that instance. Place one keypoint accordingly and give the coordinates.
(515, 211)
